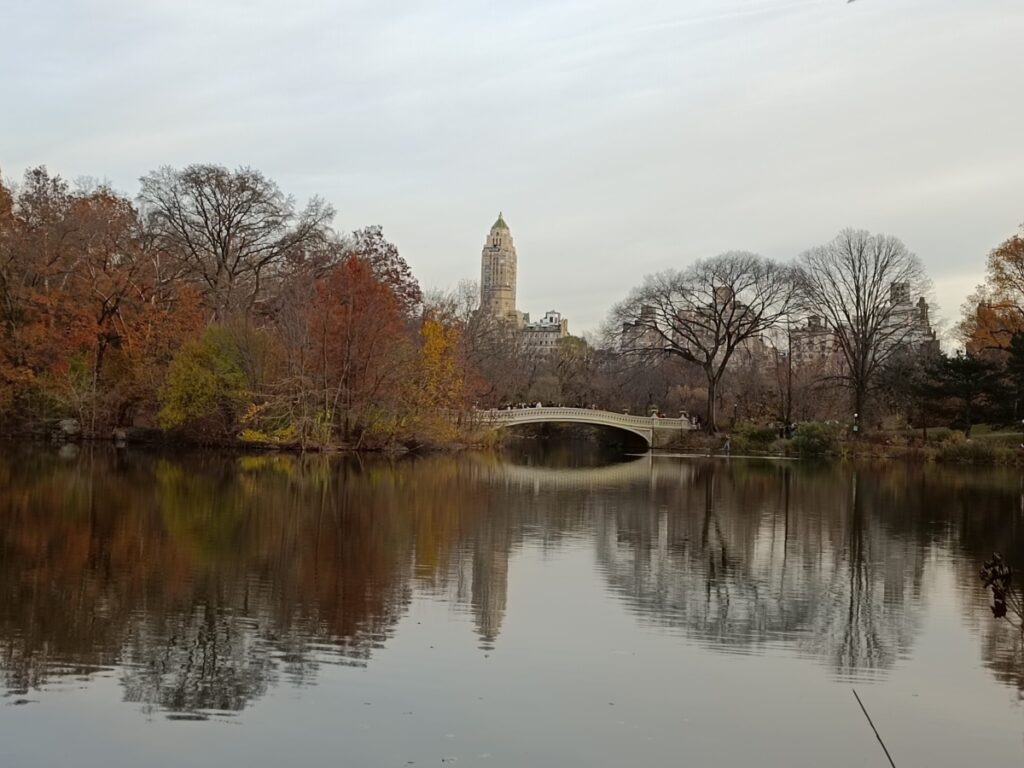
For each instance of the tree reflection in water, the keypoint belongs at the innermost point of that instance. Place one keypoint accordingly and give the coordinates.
(203, 579)
(750, 555)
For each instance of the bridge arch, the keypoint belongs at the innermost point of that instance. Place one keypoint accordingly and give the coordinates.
(645, 427)
(643, 434)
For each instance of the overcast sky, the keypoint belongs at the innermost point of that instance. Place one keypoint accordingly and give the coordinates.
(619, 137)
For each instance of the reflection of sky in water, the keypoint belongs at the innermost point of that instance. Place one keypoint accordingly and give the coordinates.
(654, 613)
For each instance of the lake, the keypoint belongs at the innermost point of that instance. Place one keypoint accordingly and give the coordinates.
(545, 607)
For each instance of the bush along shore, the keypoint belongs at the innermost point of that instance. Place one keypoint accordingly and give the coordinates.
(832, 440)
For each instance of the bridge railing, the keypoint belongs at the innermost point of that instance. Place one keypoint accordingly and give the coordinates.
(513, 415)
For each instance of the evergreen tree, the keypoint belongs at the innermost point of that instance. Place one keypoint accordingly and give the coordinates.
(965, 387)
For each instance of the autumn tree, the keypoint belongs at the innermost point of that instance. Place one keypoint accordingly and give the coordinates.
(358, 352)
(850, 282)
(67, 260)
(109, 282)
(989, 323)
(702, 315)
(37, 261)
(84, 316)
(442, 376)
(388, 266)
(102, 307)
(439, 390)
(995, 312)
(1006, 269)
(229, 231)
(499, 368)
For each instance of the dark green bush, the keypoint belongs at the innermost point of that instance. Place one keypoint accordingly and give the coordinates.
(815, 438)
(753, 437)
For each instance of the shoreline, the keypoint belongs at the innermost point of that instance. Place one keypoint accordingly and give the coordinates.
(965, 453)
(969, 453)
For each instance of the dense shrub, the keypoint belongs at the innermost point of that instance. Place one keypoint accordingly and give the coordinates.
(881, 437)
(814, 438)
(206, 385)
(693, 441)
(1010, 437)
(943, 435)
(974, 452)
(753, 437)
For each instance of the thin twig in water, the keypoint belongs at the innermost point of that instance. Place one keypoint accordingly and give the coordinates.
(877, 736)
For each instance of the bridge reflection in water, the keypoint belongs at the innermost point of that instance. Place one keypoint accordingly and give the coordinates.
(267, 567)
(646, 469)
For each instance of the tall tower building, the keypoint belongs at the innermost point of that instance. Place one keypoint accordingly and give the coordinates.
(498, 274)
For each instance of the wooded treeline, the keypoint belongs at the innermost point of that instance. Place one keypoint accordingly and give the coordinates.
(213, 307)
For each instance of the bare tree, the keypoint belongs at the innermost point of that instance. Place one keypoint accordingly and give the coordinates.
(388, 265)
(504, 369)
(703, 314)
(860, 285)
(228, 229)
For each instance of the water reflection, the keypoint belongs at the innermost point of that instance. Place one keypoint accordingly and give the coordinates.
(756, 554)
(202, 580)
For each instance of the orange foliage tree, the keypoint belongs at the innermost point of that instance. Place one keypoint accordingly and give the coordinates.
(995, 312)
(359, 351)
(36, 262)
(81, 307)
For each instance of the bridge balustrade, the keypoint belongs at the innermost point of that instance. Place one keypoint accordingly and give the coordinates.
(591, 415)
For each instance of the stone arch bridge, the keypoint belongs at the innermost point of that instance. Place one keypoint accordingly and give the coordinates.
(656, 431)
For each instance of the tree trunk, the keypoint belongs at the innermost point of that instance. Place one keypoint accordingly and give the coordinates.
(789, 377)
(94, 395)
(712, 406)
(859, 401)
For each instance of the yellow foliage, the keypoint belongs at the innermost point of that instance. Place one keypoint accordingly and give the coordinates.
(442, 380)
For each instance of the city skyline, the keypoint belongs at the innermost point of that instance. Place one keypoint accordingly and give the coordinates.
(617, 142)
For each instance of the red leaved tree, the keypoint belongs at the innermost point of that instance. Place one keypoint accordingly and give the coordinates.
(359, 350)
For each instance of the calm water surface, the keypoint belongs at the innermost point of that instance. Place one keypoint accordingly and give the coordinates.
(533, 610)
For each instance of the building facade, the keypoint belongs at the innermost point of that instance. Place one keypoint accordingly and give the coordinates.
(498, 267)
(543, 336)
(498, 273)
(814, 343)
(907, 325)
(910, 321)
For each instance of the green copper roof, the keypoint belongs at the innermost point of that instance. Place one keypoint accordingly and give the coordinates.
(500, 223)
